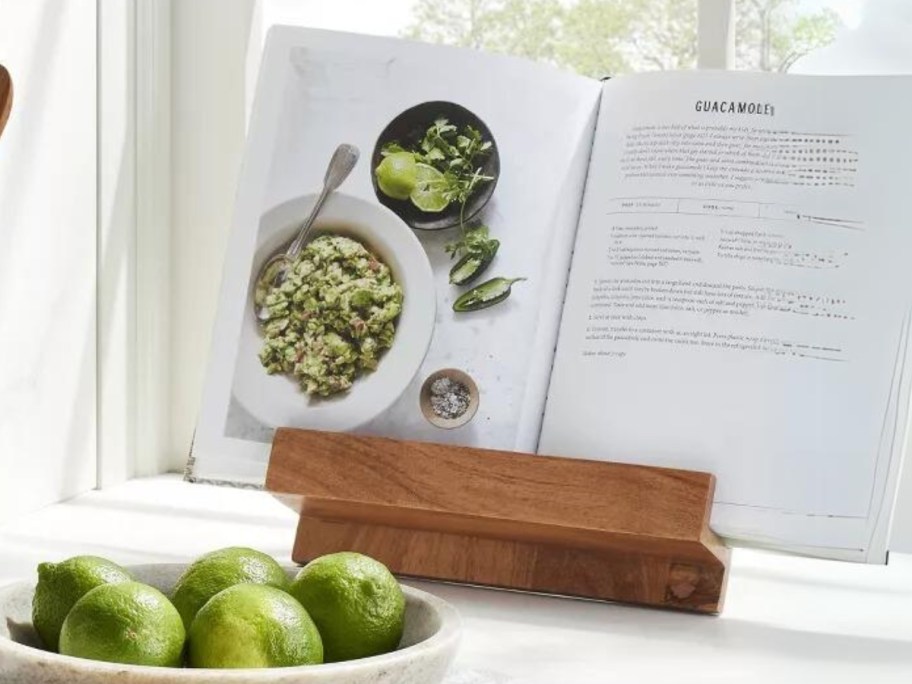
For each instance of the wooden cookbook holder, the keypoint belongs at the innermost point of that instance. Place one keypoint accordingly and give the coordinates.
(581, 528)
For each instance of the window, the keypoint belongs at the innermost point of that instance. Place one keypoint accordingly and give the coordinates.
(872, 37)
(772, 35)
(599, 37)
(593, 37)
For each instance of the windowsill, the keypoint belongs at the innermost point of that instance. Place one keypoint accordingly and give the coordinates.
(786, 619)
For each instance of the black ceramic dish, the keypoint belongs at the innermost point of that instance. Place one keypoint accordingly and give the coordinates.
(408, 129)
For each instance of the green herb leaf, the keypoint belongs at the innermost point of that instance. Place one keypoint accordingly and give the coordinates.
(474, 242)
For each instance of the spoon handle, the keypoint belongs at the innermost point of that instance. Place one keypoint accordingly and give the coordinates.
(340, 166)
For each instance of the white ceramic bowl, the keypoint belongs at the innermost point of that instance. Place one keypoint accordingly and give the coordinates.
(428, 646)
(277, 400)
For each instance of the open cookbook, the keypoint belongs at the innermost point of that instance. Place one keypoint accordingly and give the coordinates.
(700, 270)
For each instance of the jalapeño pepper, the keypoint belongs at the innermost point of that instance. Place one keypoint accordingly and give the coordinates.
(487, 294)
(473, 264)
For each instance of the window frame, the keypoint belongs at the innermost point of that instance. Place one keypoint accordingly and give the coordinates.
(716, 34)
(134, 216)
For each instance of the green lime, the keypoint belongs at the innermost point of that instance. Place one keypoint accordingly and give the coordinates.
(252, 625)
(428, 194)
(216, 571)
(356, 602)
(61, 585)
(397, 175)
(129, 623)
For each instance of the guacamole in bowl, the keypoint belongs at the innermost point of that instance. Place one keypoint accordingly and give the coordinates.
(331, 318)
(268, 400)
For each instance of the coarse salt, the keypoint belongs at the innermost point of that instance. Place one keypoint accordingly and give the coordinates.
(449, 398)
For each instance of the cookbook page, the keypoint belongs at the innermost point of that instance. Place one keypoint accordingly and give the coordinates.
(400, 317)
(739, 294)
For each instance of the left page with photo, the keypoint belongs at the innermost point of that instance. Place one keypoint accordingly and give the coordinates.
(471, 169)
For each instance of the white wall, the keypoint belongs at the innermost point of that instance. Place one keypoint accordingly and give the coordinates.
(47, 254)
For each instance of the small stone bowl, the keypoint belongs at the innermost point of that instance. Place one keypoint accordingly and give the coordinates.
(431, 637)
(424, 399)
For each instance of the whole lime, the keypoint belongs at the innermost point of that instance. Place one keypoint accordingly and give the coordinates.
(61, 585)
(356, 603)
(397, 175)
(253, 626)
(217, 571)
(128, 623)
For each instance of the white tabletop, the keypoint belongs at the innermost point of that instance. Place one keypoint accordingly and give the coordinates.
(785, 620)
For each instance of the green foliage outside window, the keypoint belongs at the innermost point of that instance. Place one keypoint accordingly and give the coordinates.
(605, 37)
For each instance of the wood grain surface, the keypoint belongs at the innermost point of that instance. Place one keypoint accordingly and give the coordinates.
(557, 525)
(6, 97)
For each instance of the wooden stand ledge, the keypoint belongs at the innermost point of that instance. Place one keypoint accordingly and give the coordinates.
(590, 529)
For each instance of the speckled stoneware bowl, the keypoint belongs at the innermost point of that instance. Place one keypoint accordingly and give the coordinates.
(428, 646)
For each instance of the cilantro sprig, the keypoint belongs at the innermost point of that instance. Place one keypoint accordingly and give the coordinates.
(475, 242)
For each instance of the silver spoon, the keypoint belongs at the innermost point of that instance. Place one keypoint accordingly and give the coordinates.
(343, 161)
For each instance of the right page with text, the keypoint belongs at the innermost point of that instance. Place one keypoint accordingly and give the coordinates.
(739, 296)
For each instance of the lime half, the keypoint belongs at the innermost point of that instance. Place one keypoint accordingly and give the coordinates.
(428, 194)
